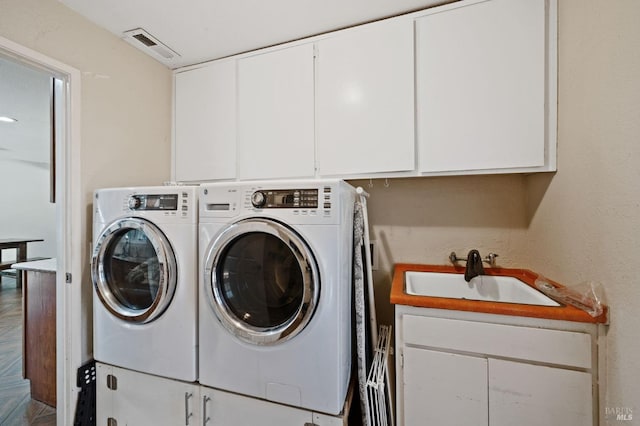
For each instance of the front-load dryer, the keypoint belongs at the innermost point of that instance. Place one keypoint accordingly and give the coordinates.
(276, 279)
(144, 272)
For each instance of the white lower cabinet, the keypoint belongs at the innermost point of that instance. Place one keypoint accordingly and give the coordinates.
(130, 398)
(461, 398)
(526, 394)
(222, 408)
(125, 397)
(484, 369)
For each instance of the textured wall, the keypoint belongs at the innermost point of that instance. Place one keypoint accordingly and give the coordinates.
(421, 220)
(585, 222)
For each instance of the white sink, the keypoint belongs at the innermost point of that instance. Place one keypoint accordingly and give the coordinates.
(491, 288)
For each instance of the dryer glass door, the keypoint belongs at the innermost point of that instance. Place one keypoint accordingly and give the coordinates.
(134, 270)
(262, 281)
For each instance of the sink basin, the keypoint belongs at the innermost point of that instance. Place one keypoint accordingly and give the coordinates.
(491, 288)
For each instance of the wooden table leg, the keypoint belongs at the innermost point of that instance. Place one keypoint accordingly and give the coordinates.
(21, 256)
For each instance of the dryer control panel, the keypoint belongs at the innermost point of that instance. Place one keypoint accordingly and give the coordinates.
(322, 201)
(285, 198)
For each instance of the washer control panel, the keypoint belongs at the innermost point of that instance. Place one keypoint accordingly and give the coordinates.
(153, 202)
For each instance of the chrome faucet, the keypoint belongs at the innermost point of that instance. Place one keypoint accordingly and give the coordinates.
(474, 265)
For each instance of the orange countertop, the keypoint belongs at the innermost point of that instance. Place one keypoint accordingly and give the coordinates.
(562, 312)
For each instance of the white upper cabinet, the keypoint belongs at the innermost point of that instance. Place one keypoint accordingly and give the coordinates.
(468, 87)
(486, 87)
(365, 100)
(205, 122)
(275, 114)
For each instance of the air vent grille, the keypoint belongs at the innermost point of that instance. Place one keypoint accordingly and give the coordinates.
(150, 45)
(144, 40)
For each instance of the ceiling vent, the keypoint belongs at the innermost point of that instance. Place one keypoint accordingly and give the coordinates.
(150, 45)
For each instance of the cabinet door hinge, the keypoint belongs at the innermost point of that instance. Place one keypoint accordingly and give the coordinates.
(68, 277)
(112, 422)
(112, 382)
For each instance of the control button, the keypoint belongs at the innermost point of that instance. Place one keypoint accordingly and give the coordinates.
(327, 205)
(258, 199)
(135, 202)
(185, 208)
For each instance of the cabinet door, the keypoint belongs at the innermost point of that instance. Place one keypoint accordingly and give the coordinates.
(275, 114)
(143, 399)
(365, 100)
(205, 122)
(442, 388)
(526, 394)
(104, 395)
(481, 86)
(223, 408)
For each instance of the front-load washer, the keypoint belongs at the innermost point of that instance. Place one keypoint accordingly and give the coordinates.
(144, 272)
(276, 285)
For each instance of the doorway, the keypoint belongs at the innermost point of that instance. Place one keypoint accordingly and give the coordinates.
(27, 179)
(68, 211)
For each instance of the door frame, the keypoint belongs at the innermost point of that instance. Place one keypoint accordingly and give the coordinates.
(71, 351)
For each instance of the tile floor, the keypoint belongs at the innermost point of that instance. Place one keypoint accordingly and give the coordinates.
(16, 406)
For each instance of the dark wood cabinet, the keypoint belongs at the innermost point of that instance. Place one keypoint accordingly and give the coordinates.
(39, 334)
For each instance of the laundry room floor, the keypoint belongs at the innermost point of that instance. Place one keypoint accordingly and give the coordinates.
(16, 406)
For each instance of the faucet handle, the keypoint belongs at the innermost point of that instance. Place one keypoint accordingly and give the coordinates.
(491, 259)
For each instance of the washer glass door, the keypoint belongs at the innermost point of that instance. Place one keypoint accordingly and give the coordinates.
(262, 281)
(134, 270)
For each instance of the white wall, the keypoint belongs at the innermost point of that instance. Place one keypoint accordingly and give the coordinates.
(25, 211)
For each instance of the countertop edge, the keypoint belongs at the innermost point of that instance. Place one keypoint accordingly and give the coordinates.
(44, 265)
(563, 312)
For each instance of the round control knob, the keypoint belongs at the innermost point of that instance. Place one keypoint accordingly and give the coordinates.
(134, 203)
(258, 199)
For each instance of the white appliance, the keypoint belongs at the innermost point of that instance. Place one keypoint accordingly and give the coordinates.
(144, 272)
(275, 305)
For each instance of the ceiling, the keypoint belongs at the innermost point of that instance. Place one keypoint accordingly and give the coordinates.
(202, 30)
